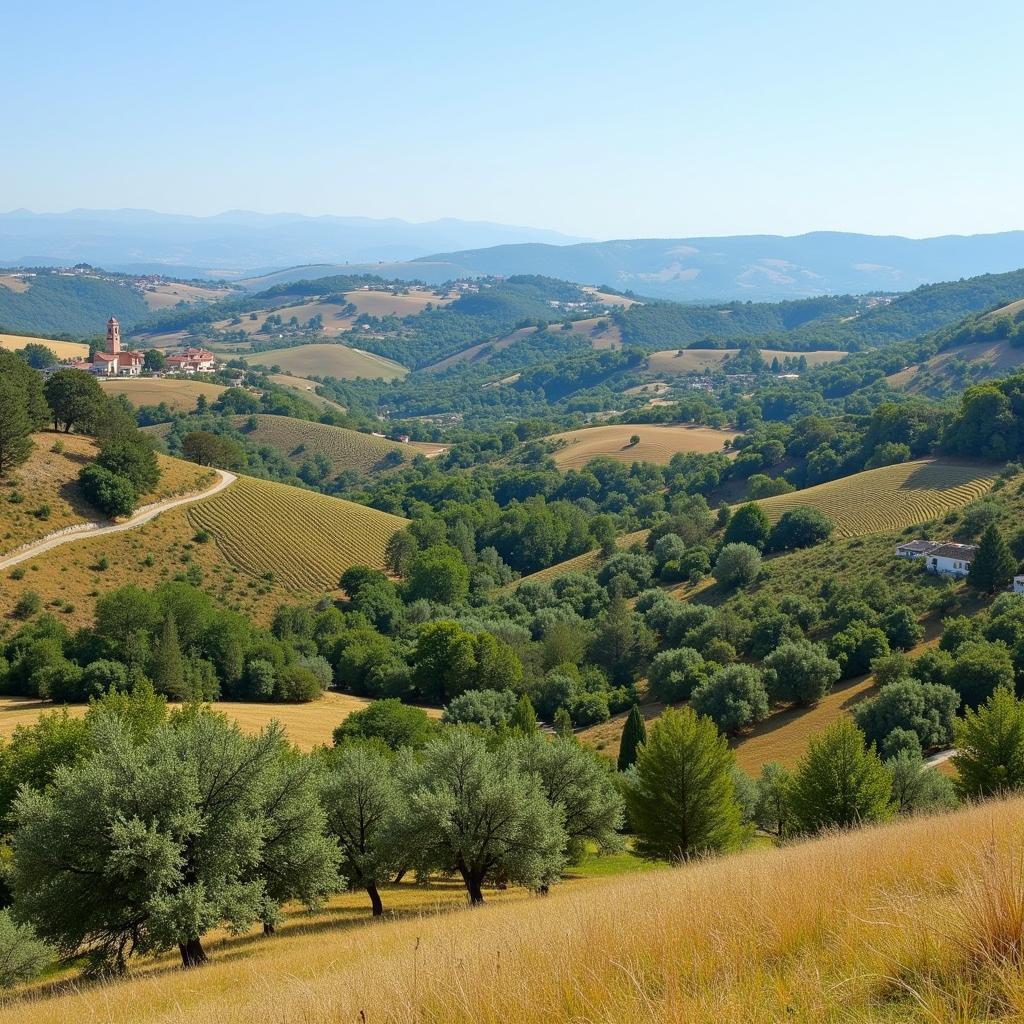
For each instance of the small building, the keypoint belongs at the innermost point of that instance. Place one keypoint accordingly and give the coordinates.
(950, 559)
(191, 360)
(1018, 584)
(917, 548)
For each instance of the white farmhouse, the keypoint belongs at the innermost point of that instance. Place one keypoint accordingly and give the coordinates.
(917, 548)
(950, 559)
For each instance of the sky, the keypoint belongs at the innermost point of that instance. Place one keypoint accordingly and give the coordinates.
(601, 120)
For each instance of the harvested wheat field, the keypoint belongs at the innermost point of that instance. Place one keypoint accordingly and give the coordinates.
(301, 539)
(701, 360)
(914, 921)
(61, 349)
(328, 361)
(658, 443)
(179, 395)
(347, 449)
(892, 497)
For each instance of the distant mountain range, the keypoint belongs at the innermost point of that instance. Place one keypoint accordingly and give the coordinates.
(238, 242)
(267, 249)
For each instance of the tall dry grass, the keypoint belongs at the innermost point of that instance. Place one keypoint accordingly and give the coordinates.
(920, 921)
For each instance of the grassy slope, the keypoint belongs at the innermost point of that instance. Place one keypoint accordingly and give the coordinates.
(306, 389)
(916, 921)
(697, 360)
(986, 360)
(658, 443)
(347, 449)
(303, 539)
(61, 349)
(51, 478)
(180, 395)
(329, 361)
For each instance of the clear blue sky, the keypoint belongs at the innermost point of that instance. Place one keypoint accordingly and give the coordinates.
(599, 119)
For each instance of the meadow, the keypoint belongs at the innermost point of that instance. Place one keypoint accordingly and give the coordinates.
(61, 349)
(890, 498)
(658, 443)
(180, 395)
(347, 449)
(301, 539)
(914, 921)
(700, 360)
(329, 360)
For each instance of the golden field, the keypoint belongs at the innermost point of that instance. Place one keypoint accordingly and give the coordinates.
(61, 349)
(302, 539)
(180, 395)
(167, 294)
(335, 321)
(920, 921)
(383, 303)
(328, 361)
(658, 443)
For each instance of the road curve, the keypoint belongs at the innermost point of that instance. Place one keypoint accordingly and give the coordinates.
(97, 529)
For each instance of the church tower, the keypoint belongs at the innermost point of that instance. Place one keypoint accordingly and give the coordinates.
(113, 336)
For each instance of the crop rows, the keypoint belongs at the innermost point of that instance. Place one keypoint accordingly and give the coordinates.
(307, 540)
(890, 498)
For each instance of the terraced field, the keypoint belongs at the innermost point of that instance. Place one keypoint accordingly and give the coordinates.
(347, 449)
(61, 349)
(658, 443)
(328, 361)
(700, 360)
(180, 395)
(304, 539)
(893, 497)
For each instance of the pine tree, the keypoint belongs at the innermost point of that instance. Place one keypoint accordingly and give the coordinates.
(168, 664)
(990, 747)
(15, 427)
(993, 564)
(524, 718)
(681, 794)
(634, 732)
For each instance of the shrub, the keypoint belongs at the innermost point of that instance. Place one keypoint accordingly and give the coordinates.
(733, 698)
(856, 647)
(748, 525)
(113, 495)
(27, 605)
(800, 528)
(737, 565)
(799, 672)
(979, 668)
(674, 675)
(926, 709)
(489, 708)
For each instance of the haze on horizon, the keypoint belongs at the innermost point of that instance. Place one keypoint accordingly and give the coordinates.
(869, 117)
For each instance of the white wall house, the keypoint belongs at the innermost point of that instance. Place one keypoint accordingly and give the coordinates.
(950, 559)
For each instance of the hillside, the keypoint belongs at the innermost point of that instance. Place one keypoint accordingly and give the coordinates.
(915, 921)
(658, 443)
(328, 361)
(301, 539)
(61, 349)
(700, 360)
(346, 449)
(179, 395)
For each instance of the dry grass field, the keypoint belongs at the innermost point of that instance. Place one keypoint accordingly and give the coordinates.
(996, 357)
(61, 349)
(917, 921)
(170, 293)
(699, 360)
(51, 478)
(330, 360)
(307, 389)
(381, 304)
(334, 320)
(180, 395)
(658, 443)
(16, 283)
(893, 497)
(307, 725)
(612, 300)
(347, 449)
(301, 539)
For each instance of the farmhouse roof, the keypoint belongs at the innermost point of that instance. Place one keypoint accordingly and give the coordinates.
(964, 552)
(923, 546)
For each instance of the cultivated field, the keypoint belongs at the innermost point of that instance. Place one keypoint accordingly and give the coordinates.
(50, 479)
(347, 449)
(891, 498)
(916, 922)
(61, 349)
(307, 389)
(328, 361)
(700, 360)
(179, 395)
(658, 443)
(302, 539)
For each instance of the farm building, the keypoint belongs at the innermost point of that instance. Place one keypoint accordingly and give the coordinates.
(941, 556)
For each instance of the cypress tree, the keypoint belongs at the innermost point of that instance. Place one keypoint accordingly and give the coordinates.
(524, 718)
(634, 732)
(993, 564)
(168, 665)
(563, 723)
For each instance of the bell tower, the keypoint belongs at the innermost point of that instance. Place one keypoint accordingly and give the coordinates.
(113, 336)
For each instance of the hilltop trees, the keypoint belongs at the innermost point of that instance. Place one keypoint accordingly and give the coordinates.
(680, 795)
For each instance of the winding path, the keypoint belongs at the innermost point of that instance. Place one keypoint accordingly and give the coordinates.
(98, 529)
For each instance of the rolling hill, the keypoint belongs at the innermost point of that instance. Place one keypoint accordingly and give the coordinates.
(701, 360)
(658, 443)
(61, 349)
(347, 449)
(302, 539)
(329, 360)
